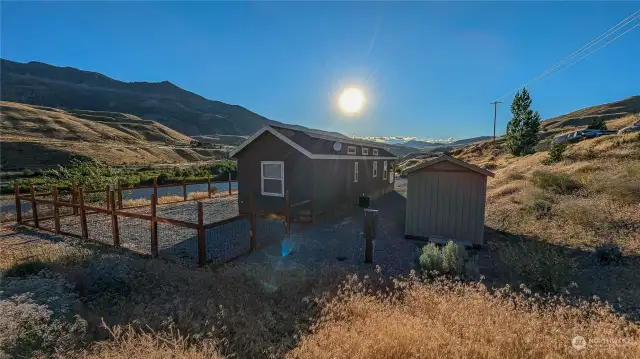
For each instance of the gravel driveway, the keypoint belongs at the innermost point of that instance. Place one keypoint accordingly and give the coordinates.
(340, 242)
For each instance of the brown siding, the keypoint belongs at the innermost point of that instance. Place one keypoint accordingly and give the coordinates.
(297, 178)
(334, 183)
(447, 204)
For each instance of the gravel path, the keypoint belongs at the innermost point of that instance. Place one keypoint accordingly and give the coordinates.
(340, 242)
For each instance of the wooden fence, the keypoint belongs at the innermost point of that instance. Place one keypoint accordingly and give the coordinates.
(113, 209)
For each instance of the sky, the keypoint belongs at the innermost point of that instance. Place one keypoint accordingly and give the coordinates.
(427, 69)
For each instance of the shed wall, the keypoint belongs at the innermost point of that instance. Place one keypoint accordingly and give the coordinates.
(447, 204)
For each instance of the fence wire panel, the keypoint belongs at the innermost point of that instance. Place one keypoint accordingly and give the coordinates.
(99, 227)
(177, 243)
(228, 241)
(135, 234)
(268, 231)
(70, 223)
(45, 216)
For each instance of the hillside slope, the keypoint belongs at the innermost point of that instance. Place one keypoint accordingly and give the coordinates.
(38, 136)
(585, 116)
(66, 87)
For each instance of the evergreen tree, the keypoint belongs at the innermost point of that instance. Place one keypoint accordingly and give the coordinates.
(598, 124)
(522, 130)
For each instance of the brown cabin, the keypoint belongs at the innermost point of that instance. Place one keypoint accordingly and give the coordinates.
(446, 201)
(331, 170)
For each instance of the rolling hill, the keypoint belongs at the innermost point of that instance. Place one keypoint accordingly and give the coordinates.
(41, 84)
(583, 117)
(38, 136)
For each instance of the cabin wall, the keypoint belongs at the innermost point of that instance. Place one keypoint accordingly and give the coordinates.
(297, 176)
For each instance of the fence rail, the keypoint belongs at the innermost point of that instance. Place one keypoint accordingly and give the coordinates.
(220, 241)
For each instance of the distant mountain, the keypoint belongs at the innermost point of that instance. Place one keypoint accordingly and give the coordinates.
(582, 117)
(41, 84)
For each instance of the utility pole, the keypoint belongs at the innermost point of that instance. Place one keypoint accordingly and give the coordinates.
(495, 113)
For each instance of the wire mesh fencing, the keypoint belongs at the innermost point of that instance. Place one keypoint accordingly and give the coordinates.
(269, 229)
(135, 234)
(69, 223)
(177, 243)
(228, 241)
(99, 227)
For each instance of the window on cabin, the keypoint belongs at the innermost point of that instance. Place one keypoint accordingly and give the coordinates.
(272, 178)
(375, 151)
(355, 172)
(351, 150)
(375, 169)
(365, 151)
(384, 170)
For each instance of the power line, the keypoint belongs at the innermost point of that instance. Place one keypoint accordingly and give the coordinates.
(590, 53)
(580, 51)
(495, 114)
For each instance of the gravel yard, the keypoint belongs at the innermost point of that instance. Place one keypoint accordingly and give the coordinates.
(340, 242)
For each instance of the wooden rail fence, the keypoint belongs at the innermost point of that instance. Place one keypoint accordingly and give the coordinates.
(114, 210)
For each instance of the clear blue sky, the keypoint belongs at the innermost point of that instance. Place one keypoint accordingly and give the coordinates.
(427, 69)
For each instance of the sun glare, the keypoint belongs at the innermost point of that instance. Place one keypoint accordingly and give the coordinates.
(351, 100)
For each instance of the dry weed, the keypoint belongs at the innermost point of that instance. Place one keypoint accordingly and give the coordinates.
(452, 320)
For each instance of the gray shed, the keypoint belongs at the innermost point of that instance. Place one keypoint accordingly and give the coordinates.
(446, 200)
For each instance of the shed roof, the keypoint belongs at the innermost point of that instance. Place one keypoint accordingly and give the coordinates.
(454, 160)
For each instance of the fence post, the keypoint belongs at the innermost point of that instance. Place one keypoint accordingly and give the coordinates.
(229, 183)
(16, 190)
(119, 194)
(34, 206)
(287, 209)
(56, 213)
(184, 190)
(114, 220)
(202, 247)
(155, 187)
(107, 198)
(83, 215)
(368, 234)
(252, 222)
(74, 197)
(154, 227)
(209, 186)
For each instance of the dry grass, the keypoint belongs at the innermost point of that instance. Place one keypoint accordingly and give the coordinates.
(452, 320)
(130, 343)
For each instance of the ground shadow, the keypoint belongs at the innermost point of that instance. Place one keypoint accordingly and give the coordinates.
(617, 282)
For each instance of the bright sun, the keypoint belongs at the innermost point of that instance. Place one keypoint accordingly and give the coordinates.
(351, 100)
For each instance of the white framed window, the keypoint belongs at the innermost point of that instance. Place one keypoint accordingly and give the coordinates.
(272, 178)
(392, 176)
(351, 150)
(375, 151)
(355, 172)
(365, 151)
(375, 169)
(384, 170)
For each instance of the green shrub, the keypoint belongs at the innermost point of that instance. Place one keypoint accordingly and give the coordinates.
(431, 259)
(598, 124)
(556, 153)
(539, 264)
(608, 253)
(454, 257)
(559, 183)
(27, 173)
(449, 260)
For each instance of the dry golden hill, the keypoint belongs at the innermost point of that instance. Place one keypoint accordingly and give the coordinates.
(585, 116)
(37, 136)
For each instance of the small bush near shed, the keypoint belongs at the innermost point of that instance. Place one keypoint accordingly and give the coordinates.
(450, 259)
